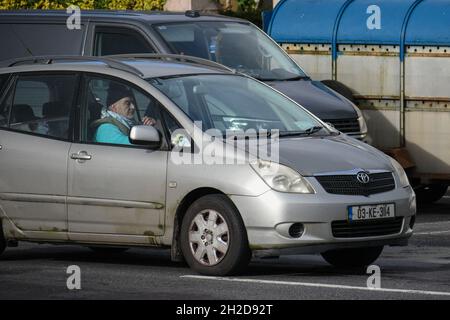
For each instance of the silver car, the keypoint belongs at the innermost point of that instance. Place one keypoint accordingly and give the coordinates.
(115, 152)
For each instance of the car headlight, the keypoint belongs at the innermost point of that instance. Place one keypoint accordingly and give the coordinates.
(280, 177)
(361, 120)
(400, 172)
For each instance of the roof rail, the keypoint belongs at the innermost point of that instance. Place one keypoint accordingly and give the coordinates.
(179, 57)
(112, 63)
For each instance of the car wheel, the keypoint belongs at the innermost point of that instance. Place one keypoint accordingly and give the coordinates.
(430, 193)
(213, 237)
(108, 250)
(2, 239)
(352, 258)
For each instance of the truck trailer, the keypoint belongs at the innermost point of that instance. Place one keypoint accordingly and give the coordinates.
(392, 58)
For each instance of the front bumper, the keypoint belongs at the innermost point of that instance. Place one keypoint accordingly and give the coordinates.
(264, 217)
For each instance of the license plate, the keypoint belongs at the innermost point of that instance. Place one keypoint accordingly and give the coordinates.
(371, 212)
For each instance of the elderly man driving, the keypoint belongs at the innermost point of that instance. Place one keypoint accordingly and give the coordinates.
(118, 118)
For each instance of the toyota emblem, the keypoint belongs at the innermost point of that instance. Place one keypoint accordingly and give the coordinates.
(362, 177)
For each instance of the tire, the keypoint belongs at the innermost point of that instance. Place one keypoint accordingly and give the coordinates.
(221, 247)
(108, 250)
(340, 88)
(2, 239)
(430, 193)
(352, 258)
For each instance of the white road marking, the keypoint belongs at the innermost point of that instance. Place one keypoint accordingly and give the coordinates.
(431, 232)
(318, 285)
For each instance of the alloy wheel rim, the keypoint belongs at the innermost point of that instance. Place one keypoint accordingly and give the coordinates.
(209, 237)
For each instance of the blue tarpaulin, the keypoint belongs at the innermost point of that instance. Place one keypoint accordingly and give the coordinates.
(402, 22)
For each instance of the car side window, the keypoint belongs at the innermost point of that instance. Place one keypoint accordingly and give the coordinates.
(111, 40)
(24, 38)
(112, 107)
(169, 121)
(41, 104)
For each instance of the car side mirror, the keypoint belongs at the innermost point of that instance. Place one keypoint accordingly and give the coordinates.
(145, 135)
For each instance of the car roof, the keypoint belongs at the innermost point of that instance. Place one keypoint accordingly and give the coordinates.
(144, 66)
(143, 16)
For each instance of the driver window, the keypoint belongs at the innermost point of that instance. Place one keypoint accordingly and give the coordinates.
(113, 108)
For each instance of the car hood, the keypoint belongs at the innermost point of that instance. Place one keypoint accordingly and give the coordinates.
(313, 155)
(317, 98)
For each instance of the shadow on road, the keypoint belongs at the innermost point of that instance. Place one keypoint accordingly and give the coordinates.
(393, 260)
(73, 254)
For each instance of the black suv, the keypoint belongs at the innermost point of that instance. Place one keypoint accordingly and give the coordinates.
(233, 42)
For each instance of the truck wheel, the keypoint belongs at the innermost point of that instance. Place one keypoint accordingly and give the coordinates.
(2, 239)
(213, 238)
(430, 193)
(340, 88)
(107, 250)
(352, 258)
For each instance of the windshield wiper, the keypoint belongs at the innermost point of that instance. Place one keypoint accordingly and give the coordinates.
(313, 129)
(280, 79)
(306, 132)
(295, 78)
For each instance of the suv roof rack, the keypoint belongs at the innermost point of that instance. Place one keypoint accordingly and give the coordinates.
(51, 59)
(178, 57)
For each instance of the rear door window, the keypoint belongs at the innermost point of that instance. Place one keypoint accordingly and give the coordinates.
(42, 104)
(111, 40)
(19, 40)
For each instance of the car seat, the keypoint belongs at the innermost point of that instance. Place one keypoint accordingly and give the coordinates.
(95, 111)
(56, 114)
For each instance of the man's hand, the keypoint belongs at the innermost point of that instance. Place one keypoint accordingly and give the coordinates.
(148, 121)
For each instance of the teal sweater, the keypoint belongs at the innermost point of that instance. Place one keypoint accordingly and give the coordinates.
(109, 133)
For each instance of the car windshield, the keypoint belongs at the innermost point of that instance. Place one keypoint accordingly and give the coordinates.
(240, 46)
(237, 103)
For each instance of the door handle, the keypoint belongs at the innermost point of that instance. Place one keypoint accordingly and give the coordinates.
(81, 156)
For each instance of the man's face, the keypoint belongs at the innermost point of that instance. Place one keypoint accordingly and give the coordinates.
(124, 107)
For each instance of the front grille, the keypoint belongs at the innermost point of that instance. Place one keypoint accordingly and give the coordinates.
(345, 229)
(348, 126)
(349, 185)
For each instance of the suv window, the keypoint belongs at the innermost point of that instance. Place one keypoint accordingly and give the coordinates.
(237, 45)
(119, 41)
(112, 108)
(19, 40)
(42, 104)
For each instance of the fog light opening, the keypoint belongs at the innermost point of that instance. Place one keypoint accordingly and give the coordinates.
(296, 230)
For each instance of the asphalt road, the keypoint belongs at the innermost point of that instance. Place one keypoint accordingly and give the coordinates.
(419, 271)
